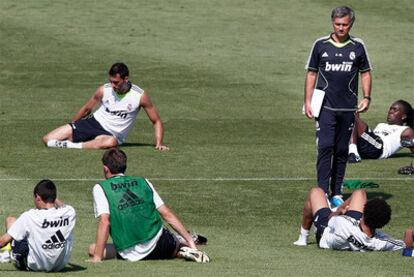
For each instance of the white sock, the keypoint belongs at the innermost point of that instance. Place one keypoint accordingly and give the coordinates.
(353, 149)
(53, 143)
(303, 237)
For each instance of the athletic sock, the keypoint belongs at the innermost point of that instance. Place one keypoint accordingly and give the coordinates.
(303, 237)
(53, 143)
(353, 149)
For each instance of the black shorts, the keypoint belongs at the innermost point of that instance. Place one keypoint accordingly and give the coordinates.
(321, 220)
(87, 129)
(20, 251)
(369, 145)
(166, 248)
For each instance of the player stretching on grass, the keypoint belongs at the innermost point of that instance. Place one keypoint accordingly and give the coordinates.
(387, 138)
(120, 102)
(131, 211)
(353, 226)
(42, 237)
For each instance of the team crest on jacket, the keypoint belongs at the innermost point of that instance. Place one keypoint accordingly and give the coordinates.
(352, 55)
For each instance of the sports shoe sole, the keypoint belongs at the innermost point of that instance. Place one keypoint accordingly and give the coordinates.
(194, 255)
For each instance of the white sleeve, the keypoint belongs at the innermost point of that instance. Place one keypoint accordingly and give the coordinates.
(18, 230)
(156, 197)
(100, 203)
(386, 243)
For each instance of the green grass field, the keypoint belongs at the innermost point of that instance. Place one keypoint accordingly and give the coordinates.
(227, 78)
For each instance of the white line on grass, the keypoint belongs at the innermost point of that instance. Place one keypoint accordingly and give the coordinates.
(217, 179)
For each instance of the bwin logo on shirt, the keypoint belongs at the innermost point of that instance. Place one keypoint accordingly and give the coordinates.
(344, 67)
(56, 223)
(56, 241)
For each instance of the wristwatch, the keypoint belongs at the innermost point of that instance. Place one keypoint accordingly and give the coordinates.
(368, 97)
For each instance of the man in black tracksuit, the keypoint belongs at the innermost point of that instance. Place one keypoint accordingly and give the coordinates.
(334, 65)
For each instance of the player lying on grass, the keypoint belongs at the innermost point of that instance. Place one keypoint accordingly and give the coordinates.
(353, 226)
(120, 102)
(41, 238)
(387, 138)
(132, 212)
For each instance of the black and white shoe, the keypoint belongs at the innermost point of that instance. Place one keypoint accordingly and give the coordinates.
(354, 158)
(194, 255)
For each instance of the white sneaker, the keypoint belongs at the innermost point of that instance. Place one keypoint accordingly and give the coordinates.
(53, 143)
(300, 242)
(194, 255)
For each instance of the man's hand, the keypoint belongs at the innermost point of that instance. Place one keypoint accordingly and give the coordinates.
(162, 147)
(308, 110)
(363, 105)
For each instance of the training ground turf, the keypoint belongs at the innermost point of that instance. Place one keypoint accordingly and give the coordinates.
(227, 78)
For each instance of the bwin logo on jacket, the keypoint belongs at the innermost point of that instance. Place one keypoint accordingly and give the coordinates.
(344, 66)
(55, 241)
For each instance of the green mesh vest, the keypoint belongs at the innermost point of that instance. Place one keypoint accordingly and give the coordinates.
(133, 216)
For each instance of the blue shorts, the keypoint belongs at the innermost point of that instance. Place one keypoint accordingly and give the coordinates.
(321, 220)
(369, 145)
(20, 251)
(87, 129)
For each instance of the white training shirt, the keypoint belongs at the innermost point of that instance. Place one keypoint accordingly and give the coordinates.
(49, 233)
(139, 251)
(343, 233)
(391, 138)
(118, 115)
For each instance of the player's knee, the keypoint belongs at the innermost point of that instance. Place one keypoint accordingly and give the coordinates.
(316, 192)
(45, 139)
(92, 249)
(109, 143)
(360, 193)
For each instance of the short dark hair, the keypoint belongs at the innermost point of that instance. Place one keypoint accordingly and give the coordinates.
(115, 159)
(46, 189)
(119, 68)
(377, 213)
(343, 11)
(408, 110)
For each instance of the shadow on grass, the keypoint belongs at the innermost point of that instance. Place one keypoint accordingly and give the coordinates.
(68, 268)
(73, 268)
(371, 194)
(133, 144)
(401, 155)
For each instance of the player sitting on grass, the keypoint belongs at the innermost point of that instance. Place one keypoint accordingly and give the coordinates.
(387, 138)
(120, 102)
(132, 212)
(41, 238)
(353, 226)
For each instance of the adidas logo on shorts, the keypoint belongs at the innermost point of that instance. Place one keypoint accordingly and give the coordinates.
(55, 241)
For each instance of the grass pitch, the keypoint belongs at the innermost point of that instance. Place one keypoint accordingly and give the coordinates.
(227, 78)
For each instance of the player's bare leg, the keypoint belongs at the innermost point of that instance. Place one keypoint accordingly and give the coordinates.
(61, 133)
(316, 200)
(100, 142)
(359, 128)
(357, 201)
(61, 138)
